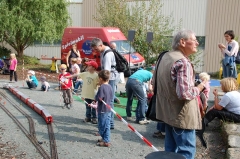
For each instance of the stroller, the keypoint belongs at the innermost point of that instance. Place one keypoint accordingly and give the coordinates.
(5, 66)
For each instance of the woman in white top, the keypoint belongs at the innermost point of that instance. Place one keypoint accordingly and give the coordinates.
(229, 53)
(228, 108)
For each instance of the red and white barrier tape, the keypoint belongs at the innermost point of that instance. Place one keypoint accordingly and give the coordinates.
(130, 127)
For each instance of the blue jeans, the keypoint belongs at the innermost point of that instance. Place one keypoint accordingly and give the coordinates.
(229, 71)
(113, 85)
(77, 84)
(104, 126)
(161, 127)
(133, 86)
(90, 112)
(181, 141)
(31, 84)
(43, 88)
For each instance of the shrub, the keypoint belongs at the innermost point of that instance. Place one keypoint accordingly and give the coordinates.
(4, 52)
(28, 60)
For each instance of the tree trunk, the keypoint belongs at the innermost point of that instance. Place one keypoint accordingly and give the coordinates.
(20, 50)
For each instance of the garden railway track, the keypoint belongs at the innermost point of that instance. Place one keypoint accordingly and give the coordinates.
(31, 135)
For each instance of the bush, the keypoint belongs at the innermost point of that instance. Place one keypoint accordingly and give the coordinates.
(4, 52)
(28, 60)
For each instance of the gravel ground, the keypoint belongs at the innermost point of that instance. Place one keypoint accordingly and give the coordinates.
(76, 139)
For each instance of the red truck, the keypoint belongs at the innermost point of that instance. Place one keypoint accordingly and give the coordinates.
(83, 36)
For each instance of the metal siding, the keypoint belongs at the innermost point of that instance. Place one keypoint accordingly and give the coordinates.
(191, 12)
(49, 51)
(89, 9)
(222, 15)
(75, 11)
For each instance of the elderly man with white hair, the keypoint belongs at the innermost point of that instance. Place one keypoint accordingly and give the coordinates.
(176, 102)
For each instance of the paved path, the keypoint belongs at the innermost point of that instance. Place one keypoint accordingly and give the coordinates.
(76, 139)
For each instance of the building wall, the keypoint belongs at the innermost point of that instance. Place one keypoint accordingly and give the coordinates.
(191, 13)
(222, 15)
(89, 10)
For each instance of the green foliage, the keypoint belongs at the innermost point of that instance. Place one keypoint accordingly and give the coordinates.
(24, 21)
(4, 52)
(141, 17)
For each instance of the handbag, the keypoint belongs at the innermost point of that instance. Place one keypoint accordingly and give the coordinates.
(151, 112)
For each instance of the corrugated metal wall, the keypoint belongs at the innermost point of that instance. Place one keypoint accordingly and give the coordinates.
(222, 15)
(75, 11)
(89, 9)
(48, 51)
(191, 12)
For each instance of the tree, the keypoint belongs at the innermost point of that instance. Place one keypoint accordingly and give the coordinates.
(26, 21)
(142, 16)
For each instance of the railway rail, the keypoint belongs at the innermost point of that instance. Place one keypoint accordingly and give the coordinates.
(31, 135)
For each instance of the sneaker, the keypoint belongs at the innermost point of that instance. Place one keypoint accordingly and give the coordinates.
(103, 144)
(94, 121)
(68, 106)
(87, 120)
(65, 105)
(142, 122)
(130, 119)
(158, 135)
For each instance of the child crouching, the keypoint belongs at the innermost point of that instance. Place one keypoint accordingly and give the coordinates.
(45, 85)
(31, 80)
(105, 93)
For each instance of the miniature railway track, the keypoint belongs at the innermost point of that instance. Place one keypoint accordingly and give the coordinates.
(31, 135)
(52, 140)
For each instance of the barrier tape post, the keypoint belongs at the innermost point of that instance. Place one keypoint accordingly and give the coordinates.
(130, 127)
(23, 73)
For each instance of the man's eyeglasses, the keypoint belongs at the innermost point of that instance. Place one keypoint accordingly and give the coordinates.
(63, 68)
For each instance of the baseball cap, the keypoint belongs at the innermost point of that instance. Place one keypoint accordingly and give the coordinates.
(31, 72)
(92, 63)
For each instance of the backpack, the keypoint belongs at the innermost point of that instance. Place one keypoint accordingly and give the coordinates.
(121, 62)
(237, 59)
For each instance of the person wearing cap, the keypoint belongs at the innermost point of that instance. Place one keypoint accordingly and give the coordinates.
(45, 85)
(90, 81)
(31, 80)
(66, 86)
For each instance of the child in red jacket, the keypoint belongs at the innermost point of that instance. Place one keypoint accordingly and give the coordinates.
(66, 86)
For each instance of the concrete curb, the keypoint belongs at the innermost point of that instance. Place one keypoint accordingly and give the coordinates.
(232, 138)
(32, 104)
